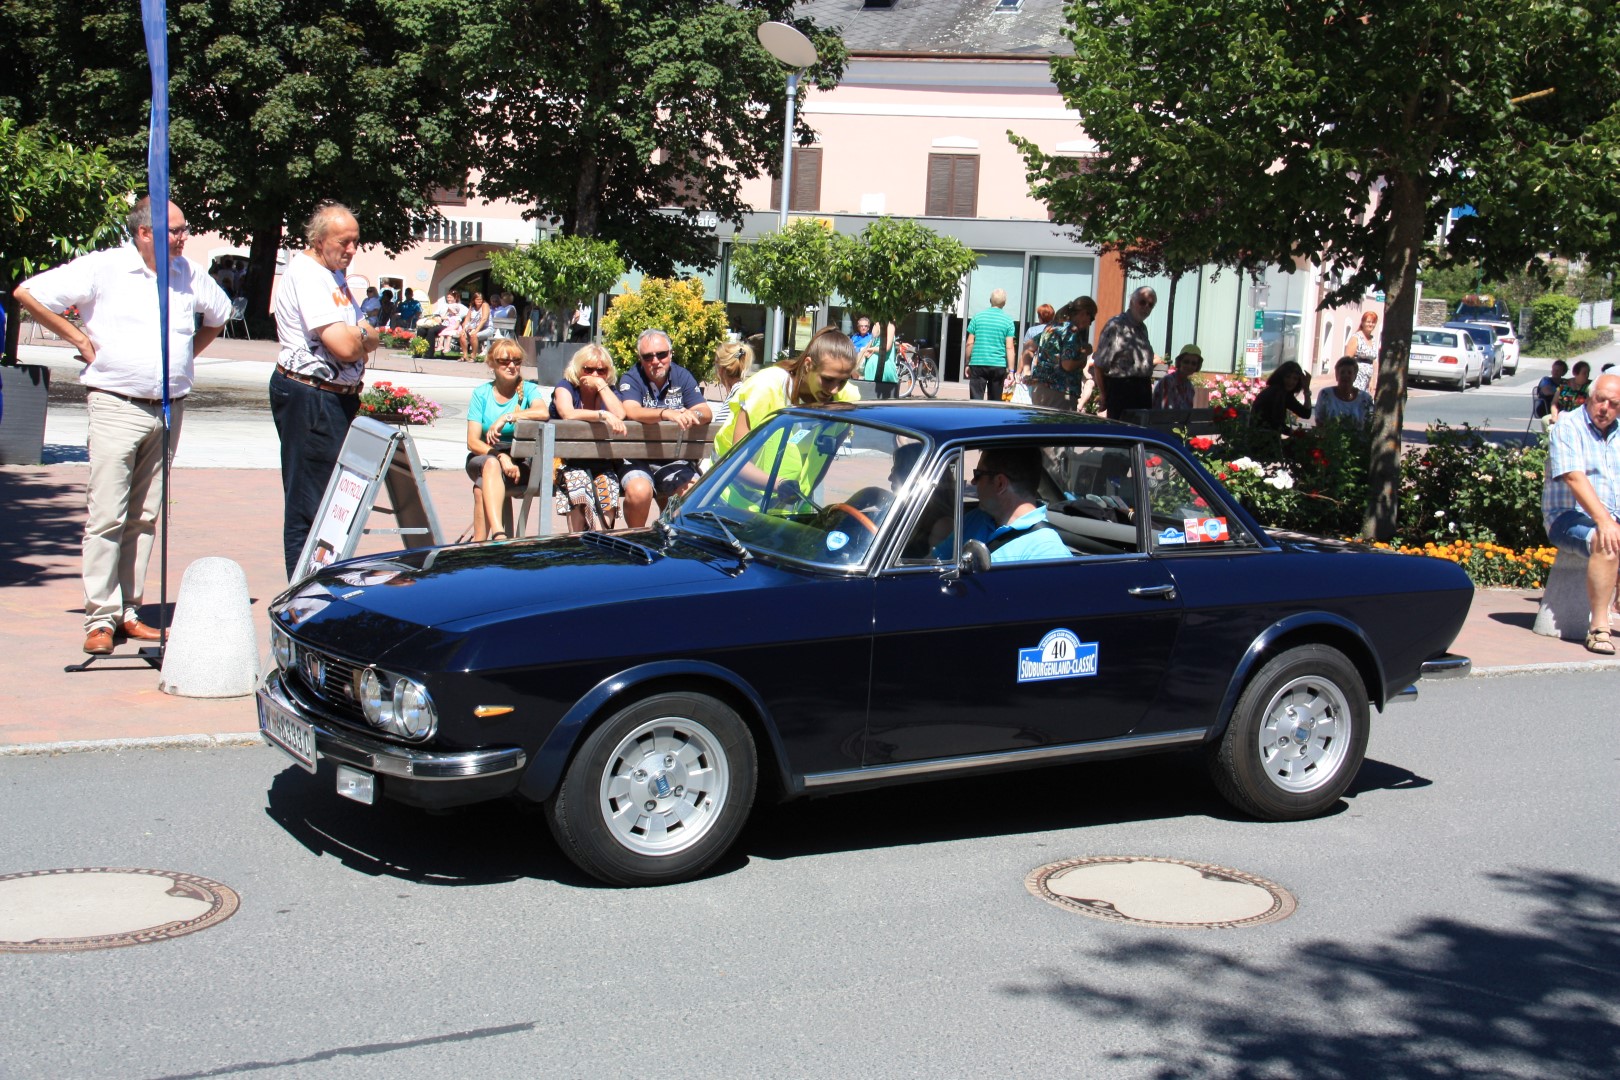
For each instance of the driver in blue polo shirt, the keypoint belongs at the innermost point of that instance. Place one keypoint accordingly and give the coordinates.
(1011, 519)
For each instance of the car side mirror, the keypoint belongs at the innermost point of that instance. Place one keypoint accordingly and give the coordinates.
(975, 560)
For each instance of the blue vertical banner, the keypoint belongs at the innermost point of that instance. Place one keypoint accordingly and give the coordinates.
(155, 21)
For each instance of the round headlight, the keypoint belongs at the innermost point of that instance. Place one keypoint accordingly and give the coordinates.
(374, 701)
(281, 646)
(413, 709)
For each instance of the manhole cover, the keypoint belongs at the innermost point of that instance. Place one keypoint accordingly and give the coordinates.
(1170, 893)
(103, 908)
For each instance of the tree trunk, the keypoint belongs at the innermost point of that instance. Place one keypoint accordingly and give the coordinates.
(1406, 197)
(261, 276)
(581, 220)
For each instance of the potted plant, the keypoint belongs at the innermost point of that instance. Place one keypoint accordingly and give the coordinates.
(559, 273)
(391, 404)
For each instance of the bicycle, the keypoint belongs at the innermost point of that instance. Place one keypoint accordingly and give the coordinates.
(913, 371)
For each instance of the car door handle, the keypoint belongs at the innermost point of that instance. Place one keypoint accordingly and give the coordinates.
(1154, 592)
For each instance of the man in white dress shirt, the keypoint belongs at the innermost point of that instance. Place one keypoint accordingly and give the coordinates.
(120, 344)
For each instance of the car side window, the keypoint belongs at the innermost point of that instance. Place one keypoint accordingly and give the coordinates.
(1093, 501)
(937, 519)
(1185, 514)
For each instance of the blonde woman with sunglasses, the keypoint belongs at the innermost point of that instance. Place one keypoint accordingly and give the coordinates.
(492, 414)
(586, 393)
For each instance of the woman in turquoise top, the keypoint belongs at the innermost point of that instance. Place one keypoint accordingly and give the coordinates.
(492, 414)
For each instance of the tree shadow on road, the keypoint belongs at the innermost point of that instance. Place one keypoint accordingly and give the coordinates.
(1445, 998)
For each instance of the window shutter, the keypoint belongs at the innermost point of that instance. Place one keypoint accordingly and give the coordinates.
(806, 182)
(953, 185)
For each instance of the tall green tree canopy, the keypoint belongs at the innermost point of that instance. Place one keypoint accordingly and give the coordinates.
(791, 269)
(275, 106)
(897, 267)
(599, 112)
(1253, 132)
(57, 201)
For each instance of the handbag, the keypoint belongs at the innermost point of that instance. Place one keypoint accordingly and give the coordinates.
(1021, 396)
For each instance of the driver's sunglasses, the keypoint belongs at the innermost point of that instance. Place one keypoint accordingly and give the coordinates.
(980, 473)
(662, 354)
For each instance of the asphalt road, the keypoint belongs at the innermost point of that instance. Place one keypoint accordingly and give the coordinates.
(1459, 916)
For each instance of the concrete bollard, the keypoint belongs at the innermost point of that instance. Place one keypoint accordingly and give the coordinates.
(212, 650)
(1564, 611)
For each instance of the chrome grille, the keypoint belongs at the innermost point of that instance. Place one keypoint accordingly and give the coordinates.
(330, 678)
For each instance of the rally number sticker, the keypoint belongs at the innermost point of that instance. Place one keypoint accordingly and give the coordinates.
(1060, 655)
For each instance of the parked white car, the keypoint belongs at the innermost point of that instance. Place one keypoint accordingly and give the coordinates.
(1445, 354)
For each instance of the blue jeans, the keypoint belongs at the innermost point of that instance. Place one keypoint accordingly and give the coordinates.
(1572, 531)
(312, 424)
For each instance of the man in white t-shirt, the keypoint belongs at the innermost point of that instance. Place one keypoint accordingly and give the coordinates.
(320, 371)
(120, 344)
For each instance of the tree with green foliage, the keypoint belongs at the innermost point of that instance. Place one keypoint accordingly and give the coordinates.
(897, 267)
(559, 272)
(57, 202)
(791, 269)
(275, 106)
(599, 112)
(1258, 133)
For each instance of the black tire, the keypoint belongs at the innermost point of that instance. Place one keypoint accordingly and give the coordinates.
(679, 767)
(905, 379)
(1298, 771)
(928, 381)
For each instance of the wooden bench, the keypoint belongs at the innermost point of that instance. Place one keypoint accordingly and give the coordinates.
(1170, 421)
(539, 442)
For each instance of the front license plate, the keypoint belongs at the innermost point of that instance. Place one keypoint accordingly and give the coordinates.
(287, 732)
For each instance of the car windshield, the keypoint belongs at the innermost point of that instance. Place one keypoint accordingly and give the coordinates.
(813, 489)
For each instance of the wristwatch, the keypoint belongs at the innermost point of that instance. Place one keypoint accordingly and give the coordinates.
(365, 335)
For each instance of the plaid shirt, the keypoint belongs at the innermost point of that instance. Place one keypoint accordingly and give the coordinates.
(1576, 445)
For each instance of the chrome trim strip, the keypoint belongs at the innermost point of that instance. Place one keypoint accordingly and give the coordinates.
(1033, 755)
(376, 756)
(1449, 666)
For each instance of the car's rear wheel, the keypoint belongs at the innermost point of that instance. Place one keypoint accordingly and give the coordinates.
(657, 792)
(1297, 737)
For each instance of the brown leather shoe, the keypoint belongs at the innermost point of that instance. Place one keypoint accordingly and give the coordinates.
(99, 641)
(136, 630)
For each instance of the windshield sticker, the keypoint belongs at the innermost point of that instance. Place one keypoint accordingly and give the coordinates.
(1206, 530)
(836, 540)
(1060, 655)
(1172, 535)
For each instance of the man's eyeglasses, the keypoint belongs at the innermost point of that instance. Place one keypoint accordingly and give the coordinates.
(176, 231)
(662, 354)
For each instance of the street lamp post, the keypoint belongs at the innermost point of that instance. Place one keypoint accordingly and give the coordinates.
(792, 48)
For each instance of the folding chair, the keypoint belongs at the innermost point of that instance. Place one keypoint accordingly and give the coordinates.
(238, 316)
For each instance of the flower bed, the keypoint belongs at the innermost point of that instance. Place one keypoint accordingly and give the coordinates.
(1490, 564)
(397, 404)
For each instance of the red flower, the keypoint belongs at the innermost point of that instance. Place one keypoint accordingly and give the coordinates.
(1200, 442)
(1154, 461)
(1318, 457)
(1230, 414)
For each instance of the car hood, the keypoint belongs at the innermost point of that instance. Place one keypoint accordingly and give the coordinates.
(442, 587)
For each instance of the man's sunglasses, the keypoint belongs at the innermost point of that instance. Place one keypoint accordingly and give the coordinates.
(662, 354)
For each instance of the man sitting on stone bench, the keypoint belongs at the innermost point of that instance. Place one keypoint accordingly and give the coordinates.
(654, 389)
(1580, 502)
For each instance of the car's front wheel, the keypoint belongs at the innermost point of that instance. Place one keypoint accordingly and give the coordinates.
(1297, 737)
(657, 792)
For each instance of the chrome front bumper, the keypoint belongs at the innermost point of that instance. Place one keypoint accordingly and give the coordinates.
(1449, 666)
(387, 759)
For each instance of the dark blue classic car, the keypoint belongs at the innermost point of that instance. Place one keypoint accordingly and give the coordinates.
(810, 611)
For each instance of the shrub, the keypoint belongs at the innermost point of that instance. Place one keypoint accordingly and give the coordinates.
(696, 328)
(1552, 320)
(1463, 487)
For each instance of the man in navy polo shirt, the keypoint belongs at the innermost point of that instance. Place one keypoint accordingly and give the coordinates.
(654, 390)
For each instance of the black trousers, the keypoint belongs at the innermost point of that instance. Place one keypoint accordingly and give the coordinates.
(312, 424)
(986, 383)
(1126, 392)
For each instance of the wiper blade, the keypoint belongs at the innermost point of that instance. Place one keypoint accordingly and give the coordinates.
(732, 542)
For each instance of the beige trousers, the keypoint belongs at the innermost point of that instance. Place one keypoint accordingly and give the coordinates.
(125, 498)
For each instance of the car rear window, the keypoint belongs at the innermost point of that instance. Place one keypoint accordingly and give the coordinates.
(1439, 339)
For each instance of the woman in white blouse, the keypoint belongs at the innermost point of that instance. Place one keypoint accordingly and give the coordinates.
(1342, 401)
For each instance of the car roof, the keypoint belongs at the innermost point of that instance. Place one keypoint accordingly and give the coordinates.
(950, 420)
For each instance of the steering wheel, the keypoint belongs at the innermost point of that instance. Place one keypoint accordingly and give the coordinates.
(852, 513)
